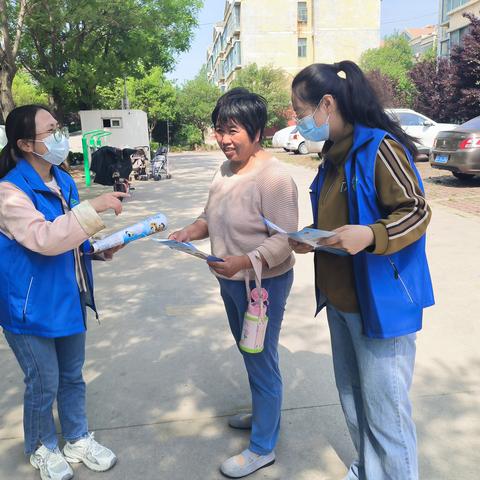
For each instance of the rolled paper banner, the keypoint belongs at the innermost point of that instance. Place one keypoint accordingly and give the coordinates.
(149, 226)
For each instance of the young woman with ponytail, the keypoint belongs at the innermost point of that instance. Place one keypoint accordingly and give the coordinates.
(46, 284)
(369, 192)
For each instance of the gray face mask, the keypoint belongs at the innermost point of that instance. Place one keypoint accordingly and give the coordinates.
(57, 149)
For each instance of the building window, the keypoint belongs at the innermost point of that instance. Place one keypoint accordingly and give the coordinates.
(444, 48)
(302, 12)
(236, 16)
(233, 60)
(449, 5)
(302, 47)
(112, 122)
(457, 35)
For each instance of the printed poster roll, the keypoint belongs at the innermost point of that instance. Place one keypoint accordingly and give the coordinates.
(149, 226)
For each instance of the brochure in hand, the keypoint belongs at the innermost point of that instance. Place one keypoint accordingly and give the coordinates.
(310, 236)
(187, 247)
(149, 226)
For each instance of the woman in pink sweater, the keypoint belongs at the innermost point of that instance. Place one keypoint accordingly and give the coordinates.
(249, 185)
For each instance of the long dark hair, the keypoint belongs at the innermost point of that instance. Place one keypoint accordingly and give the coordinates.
(356, 99)
(20, 124)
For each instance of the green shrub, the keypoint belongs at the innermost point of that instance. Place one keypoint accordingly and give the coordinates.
(189, 136)
(75, 158)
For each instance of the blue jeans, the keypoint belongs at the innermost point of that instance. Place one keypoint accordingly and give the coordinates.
(373, 378)
(262, 368)
(53, 370)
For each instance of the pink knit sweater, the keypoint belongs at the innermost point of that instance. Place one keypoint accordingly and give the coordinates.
(234, 211)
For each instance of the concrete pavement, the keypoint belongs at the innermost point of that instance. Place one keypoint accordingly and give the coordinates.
(163, 373)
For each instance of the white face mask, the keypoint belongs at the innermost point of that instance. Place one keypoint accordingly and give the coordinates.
(57, 149)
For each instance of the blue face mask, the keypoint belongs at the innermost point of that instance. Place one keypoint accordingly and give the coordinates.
(57, 149)
(307, 127)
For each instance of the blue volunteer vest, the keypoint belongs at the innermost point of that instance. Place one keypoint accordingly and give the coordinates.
(392, 290)
(39, 294)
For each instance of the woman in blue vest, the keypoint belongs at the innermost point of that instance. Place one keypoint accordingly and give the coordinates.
(369, 193)
(46, 284)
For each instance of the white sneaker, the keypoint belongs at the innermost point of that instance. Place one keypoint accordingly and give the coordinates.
(246, 463)
(95, 456)
(51, 463)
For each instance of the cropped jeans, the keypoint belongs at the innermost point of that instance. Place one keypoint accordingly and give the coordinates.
(53, 370)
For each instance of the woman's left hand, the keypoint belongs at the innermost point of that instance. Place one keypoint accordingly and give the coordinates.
(108, 254)
(351, 238)
(231, 265)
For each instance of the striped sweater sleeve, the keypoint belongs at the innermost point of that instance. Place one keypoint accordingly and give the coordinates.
(400, 195)
(279, 203)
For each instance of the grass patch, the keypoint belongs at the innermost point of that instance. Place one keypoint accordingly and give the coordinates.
(310, 161)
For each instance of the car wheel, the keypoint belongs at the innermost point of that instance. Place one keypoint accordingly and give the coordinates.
(463, 176)
(302, 149)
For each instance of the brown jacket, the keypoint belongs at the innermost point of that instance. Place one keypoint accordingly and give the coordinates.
(398, 193)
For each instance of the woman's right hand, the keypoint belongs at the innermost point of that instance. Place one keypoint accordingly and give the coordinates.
(108, 201)
(299, 247)
(180, 235)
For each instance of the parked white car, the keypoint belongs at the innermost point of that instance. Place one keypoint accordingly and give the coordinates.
(3, 137)
(280, 138)
(298, 144)
(419, 126)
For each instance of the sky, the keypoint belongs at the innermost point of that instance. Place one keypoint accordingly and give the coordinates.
(396, 15)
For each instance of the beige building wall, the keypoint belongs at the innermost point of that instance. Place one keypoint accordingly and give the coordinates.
(344, 29)
(456, 18)
(269, 33)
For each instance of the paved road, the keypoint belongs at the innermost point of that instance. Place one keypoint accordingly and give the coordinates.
(163, 373)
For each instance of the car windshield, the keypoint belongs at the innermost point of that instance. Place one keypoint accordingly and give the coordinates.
(472, 124)
(410, 119)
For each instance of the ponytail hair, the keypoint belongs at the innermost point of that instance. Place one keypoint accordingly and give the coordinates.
(19, 125)
(356, 99)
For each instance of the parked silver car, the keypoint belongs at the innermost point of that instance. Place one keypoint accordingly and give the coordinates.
(458, 150)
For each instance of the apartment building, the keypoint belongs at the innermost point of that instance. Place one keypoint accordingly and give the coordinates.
(422, 39)
(452, 24)
(290, 34)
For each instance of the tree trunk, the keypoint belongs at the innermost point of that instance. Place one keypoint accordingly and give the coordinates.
(57, 105)
(6, 98)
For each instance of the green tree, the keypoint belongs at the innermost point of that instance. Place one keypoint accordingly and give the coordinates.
(196, 101)
(273, 84)
(73, 47)
(156, 96)
(394, 59)
(12, 18)
(26, 91)
(152, 93)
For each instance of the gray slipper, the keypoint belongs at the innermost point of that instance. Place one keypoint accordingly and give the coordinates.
(242, 421)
